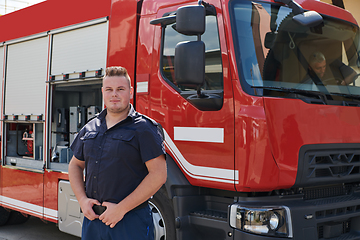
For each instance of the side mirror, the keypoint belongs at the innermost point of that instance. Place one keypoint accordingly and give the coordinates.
(190, 56)
(308, 19)
(190, 63)
(190, 20)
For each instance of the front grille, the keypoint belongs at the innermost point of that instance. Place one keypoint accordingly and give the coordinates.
(327, 191)
(324, 164)
(337, 212)
(332, 165)
(324, 229)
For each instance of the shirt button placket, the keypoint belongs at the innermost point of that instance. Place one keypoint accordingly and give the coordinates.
(97, 162)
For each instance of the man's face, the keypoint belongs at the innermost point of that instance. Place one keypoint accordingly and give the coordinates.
(319, 68)
(117, 93)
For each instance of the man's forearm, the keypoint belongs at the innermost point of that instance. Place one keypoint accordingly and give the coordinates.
(76, 178)
(147, 188)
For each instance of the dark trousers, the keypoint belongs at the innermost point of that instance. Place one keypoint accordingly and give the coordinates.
(136, 225)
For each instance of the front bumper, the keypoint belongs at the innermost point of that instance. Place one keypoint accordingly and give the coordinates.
(334, 217)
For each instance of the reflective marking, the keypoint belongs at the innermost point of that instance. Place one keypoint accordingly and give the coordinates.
(29, 207)
(196, 134)
(200, 172)
(142, 87)
(50, 213)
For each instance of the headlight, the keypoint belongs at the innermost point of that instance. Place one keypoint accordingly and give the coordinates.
(274, 221)
(271, 221)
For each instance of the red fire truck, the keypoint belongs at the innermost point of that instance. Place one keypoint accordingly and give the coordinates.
(260, 146)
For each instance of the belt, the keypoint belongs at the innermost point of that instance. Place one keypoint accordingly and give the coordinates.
(100, 209)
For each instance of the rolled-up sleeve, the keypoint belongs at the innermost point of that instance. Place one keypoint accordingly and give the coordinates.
(151, 143)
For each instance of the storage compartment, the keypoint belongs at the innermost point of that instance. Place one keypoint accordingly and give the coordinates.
(73, 105)
(24, 144)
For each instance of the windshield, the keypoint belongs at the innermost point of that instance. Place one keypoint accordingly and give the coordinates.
(279, 57)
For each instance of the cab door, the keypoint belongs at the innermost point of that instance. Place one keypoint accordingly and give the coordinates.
(199, 131)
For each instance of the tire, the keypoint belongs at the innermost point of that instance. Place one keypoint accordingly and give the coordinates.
(163, 216)
(17, 218)
(4, 216)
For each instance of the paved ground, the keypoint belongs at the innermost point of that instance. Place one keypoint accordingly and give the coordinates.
(34, 229)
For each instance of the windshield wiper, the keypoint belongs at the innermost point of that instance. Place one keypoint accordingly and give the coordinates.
(321, 96)
(347, 95)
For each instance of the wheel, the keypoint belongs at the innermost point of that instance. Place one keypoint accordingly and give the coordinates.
(163, 216)
(17, 218)
(4, 216)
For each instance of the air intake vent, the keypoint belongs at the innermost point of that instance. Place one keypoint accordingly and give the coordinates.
(325, 232)
(324, 164)
(327, 191)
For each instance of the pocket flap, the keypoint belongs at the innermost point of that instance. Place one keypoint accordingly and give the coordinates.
(89, 135)
(127, 136)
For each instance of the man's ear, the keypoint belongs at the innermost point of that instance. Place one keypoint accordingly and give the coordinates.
(131, 93)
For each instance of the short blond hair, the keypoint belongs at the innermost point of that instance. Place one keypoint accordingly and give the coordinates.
(117, 71)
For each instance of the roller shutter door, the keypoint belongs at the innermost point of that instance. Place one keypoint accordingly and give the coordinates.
(25, 77)
(80, 50)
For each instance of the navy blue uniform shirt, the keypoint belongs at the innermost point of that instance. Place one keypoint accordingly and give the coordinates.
(115, 157)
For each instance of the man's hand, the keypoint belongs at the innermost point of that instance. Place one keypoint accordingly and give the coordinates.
(148, 187)
(86, 205)
(113, 214)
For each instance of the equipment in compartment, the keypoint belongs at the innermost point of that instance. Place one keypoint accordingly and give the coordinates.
(61, 120)
(92, 111)
(77, 121)
(28, 140)
(78, 117)
(61, 152)
(68, 124)
(24, 140)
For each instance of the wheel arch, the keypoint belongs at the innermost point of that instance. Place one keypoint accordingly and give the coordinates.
(176, 182)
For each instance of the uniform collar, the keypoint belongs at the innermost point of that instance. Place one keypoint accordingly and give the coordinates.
(132, 113)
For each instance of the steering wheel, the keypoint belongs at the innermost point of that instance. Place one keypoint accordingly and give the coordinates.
(355, 78)
(332, 81)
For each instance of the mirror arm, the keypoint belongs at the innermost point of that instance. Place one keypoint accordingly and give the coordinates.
(296, 8)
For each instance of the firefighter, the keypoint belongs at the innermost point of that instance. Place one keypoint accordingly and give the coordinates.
(341, 74)
(123, 155)
(317, 64)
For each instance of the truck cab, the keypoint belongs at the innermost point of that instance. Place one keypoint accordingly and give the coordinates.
(289, 131)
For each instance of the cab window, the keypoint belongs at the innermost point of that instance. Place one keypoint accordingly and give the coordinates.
(213, 83)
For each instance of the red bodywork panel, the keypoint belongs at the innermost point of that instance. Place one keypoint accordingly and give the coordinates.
(260, 161)
(327, 9)
(49, 15)
(122, 35)
(293, 123)
(24, 186)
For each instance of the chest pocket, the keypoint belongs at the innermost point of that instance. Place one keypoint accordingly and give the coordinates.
(89, 140)
(125, 139)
